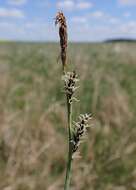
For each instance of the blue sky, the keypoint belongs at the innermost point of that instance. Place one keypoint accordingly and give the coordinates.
(88, 20)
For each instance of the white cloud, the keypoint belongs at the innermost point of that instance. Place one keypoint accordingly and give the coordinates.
(127, 2)
(68, 5)
(43, 3)
(14, 13)
(11, 31)
(79, 19)
(31, 31)
(91, 18)
(98, 14)
(103, 17)
(128, 28)
(113, 20)
(34, 30)
(101, 32)
(127, 14)
(74, 5)
(17, 2)
(84, 5)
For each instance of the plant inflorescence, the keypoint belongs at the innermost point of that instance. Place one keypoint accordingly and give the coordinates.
(61, 20)
(77, 131)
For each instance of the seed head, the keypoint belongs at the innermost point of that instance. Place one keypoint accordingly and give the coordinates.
(61, 20)
(70, 79)
(79, 131)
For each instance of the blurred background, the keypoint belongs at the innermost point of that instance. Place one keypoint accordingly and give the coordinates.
(33, 122)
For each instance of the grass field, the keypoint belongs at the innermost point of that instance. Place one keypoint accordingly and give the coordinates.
(33, 133)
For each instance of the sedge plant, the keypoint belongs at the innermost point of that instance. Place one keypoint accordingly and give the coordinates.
(76, 130)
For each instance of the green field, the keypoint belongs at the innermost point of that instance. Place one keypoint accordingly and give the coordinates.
(33, 136)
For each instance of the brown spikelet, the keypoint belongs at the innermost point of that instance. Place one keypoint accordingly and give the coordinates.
(61, 20)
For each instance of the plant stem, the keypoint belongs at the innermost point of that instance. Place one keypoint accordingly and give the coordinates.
(69, 161)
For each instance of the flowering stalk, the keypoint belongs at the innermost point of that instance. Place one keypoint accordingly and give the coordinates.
(75, 133)
(70, 80)
(61, 20)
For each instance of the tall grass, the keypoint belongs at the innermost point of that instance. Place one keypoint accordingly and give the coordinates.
(33, 117)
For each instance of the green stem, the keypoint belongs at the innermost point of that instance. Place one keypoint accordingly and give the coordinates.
(69, 161)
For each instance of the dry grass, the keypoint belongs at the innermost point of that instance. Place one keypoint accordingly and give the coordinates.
(32, 117)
